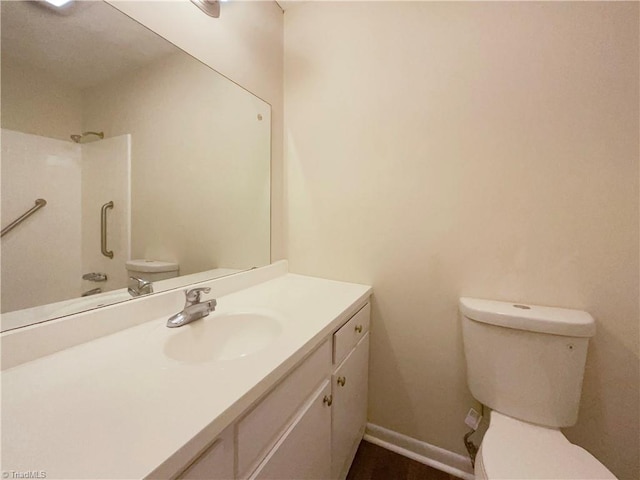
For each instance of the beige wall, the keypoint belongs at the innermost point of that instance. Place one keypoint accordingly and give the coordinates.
(34, 102)
(244, 44)
(435, 150)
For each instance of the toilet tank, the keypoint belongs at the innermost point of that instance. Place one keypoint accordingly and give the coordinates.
(152, 270)
(526, 361)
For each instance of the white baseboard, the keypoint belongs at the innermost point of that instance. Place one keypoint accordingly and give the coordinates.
(436, 457)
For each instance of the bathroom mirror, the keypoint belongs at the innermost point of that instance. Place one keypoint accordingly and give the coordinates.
(140, 152)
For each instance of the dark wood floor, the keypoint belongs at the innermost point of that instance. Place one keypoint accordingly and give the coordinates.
(376, 463)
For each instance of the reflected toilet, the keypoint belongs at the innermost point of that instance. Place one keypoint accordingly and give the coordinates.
(152, 270)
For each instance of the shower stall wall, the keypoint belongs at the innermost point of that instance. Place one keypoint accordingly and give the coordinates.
(106, 177)
(64, 237)
(49, 241)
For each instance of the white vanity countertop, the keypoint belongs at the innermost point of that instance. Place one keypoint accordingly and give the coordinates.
(119, 407)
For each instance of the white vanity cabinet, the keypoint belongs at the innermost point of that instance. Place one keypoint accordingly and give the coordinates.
(309, 425)
(286, 401)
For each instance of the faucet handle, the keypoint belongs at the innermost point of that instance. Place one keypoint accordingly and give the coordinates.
(140, 282)
(193, 295)
(142, 287)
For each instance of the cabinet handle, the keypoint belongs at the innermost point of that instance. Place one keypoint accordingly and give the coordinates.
(359, 328)
(342, 381)
(327, 400)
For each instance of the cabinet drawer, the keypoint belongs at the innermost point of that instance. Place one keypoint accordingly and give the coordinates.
(350, 334)
(261, 428)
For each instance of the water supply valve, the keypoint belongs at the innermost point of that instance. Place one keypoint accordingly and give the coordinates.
(473, 422)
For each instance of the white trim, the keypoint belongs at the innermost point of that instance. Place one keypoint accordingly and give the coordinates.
(423, 452)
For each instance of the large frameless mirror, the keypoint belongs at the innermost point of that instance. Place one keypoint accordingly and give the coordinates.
(128, 166)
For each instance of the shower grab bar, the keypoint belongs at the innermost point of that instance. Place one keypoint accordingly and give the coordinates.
(103, 230)
(40, 202)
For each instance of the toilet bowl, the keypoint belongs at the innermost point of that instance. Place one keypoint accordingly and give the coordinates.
(526, 363)
(513, 449)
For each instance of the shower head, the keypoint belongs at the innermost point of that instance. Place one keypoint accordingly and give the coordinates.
(78, 138)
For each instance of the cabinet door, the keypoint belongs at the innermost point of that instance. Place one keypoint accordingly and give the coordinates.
(349, 410)
(304, 451)
(261, 428)
(216, 463)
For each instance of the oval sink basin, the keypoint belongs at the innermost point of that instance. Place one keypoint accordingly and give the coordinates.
(223, 336)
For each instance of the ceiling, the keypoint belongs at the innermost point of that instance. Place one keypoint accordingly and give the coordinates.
(82, 45)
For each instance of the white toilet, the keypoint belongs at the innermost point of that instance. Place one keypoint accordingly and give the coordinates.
(526, 363)
(152, 270)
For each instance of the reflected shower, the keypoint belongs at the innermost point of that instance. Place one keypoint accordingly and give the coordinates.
(78, 138)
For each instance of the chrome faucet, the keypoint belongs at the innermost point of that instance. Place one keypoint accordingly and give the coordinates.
(141, 287)
(193, 308)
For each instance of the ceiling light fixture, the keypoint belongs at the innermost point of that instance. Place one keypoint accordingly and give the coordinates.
(58, 3)
(210, 7)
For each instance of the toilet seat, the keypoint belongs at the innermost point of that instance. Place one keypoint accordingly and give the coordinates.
(513, 449)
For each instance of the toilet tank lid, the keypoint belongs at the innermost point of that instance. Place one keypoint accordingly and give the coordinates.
(532, 318)
(150, 266)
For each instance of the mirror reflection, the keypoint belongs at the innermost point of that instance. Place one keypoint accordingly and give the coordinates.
(154, 168)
